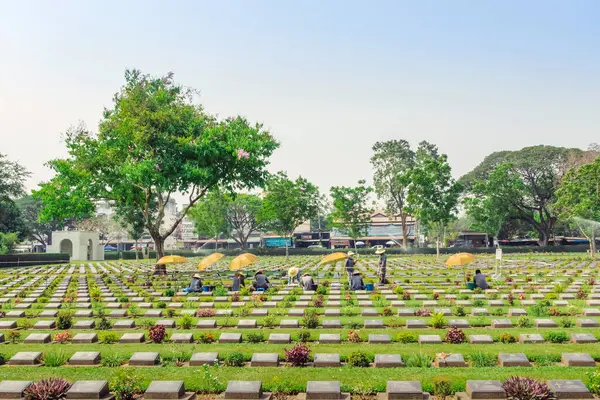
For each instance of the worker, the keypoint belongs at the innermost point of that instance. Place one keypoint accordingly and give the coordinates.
(195, 285)
(381, 270)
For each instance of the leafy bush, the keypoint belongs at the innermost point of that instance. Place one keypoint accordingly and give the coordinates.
(206, 338)
(318, 303)
(63, 337)
(442, 387)
(104, 324)
(298, 355)
(304, 336)
(423, 312)
(126, 384)
(594, 381)
(478, 303)
(161, 304)
(358, 359)
(354, 325)
(47, 389)
(55, 358)
(220, 291)
(186, 321)
(112, 360)
(459, 311)
(310, 319)
(524, 322)
(353, 336)
(419, 360)
(566, 322)
(438, 320)
(322, 290)
(123, 299)
(206, 312)
(64, 320)
(507, 338)
(556, 337)
(455, 336)
(541, 309)
(269, 321)
(25, 323)
(108, 337)
(407, 337)
(523, 388)
(255, 337)
(171, 293)
(157, 333)
(388, 311)
(234, 359)
(398, 290)
(481, 359)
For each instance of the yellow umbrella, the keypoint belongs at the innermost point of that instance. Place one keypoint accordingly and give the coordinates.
(460, 259)
(209, 260)
(172, 260)
(333, 258)
(242, 261)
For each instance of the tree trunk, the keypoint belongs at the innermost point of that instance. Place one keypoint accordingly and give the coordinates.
(137, 256)
(543, 237)
(437, 247)
(403, 223)
(593, 244)
(287, 251)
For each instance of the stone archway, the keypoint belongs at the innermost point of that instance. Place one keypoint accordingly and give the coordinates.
(90, 250)
(66, 246)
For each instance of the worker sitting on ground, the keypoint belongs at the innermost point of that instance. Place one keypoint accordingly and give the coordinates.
(479, 280)
(261, 281)
(357, 282)
(195, 285)
(308, 283)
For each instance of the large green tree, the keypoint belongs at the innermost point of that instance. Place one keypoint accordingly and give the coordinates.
(522, 184)
(393, 162)
(12, 179)
(579, 200)
(433, 193)
(210, 216)
(36, 229)
(242, 217)
(351, 210)
(287, 204)
(152, 143)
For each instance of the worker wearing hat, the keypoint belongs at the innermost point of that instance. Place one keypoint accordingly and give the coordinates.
(350, 262)
(195, 284)
(381, 270)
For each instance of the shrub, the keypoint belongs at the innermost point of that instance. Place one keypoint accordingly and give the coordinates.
(64, 320)
(298, 355)
(523, 388)
(353, 336)
(398, 290)
(269, 321)
(104, 324)
(438, 320)
(304, 336)
(507, 338)
(442, 387)
(541, 309)
(171, 293)
(157, 333)
(524, 322)
(55, 358)
(310, 319)
(47, 389)
(511, 299)
(388, 311)
(206, 338)
(255, 337)
(406, 337)
(206, 312)
(566, 322)
(349, 311)
(126, 384)
(358, 359)
(13, 335)
(146, 323)
(556, 337)
(186, 321)
(481, 359)
(419, 360)
(455, 336)
(63, 337)
(594, 381)
(554, 312)
(354, 325)
(423, 312)
(234, 359)
(161, 304)
(478, 303)
(123, 299)
(220, 291)
(459, 311)
(235, 297)
(405, 296)
(112, 360)
(318, 303)
(322, 290)
(108, 337)
(581, 295)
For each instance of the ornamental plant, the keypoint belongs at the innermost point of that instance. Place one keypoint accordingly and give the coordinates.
(298, 355)
(455, 336)
(63, 337)
(353, 336)
(523, 388)
(507, 338)
(206, 312)
(47, 389)
(157, 333)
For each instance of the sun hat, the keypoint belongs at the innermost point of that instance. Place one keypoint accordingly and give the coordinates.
(379, 251)
(350, 253)
(197, 276)
(356, 273)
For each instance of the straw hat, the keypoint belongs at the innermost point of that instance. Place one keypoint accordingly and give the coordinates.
(356, 273)
(379, 251)
(350, 253)
(197, 276)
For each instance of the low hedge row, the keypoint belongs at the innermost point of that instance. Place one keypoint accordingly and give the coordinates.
(32, 259)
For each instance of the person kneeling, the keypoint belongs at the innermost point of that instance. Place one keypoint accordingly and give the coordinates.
(195, 285)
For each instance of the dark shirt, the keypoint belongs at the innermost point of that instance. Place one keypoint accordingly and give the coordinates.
(195, 285)
(480, 281)
(262, 281)
(350, 265)
(357, 283)
(383, 262)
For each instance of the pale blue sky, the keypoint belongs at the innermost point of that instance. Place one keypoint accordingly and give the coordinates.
(328, 78)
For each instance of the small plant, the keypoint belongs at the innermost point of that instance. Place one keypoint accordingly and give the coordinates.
(220, 291)
(206, 312)
(104, 324)
(47, 389)
(388, 311)
(442, 387)
(206, 338)
(455, 336)
(507, 338)
(581, 295)
(419, 360)
(63, 337)
(298, 355)
(438, 321)
(423, 312)
(186, 321)
(481, 359)
(556, 337)
(64, 320)
(234, 359)
(566, 322)
(25, 323)
(594, 381)
(55, 358)
(477, 303)
(310, 319)
(161, 304)
(511, 299)
(304, 336)
(112, 360)
(13, 335)
(353, 336)
(523, 388)
(322, 290)
(358, 359)
(541, 309)
(269, 321)
(459, 311)
(171, 293)
(126, 384)
(235, 297)
(157, 333)
(318, 303)
(108, 337)
(406, 296)
(406, 337)
(255, 337)
(354, 325)
(524, 322)
(123, 299)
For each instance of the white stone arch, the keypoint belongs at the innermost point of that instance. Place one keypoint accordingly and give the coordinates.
(66, 246)
(84, 246)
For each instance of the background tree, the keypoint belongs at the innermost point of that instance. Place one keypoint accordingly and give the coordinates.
(37, 230)
(433, 192)
(8, 242)
(525, 184)
(242, 217)
(579, 200)
(12, 178)
(287, 204)
(155, 142)
(132, 220)
(210, 216)
(392, 167)
(351, 212)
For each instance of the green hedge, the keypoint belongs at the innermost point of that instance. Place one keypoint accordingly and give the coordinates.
(28, 259)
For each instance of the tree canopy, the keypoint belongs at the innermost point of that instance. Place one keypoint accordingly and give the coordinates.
(152, 143)
(210, 216)
(351, 211)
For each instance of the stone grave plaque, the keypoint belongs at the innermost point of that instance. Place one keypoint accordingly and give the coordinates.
(144, 358)
(132, 338)
(208, 358)
(396, 390)
(165, 390)
(577, 360)
(230, 338)
(430, 339)
(88, 390)
(26, 358)
(569, 389)
(264, 360)
(322, 390)
(583, 338)
(388, 361)
(85, 358)
(243, 390)
(485, 390)
(379, 339)
(481, 339)
(415, 324)
(206, 324)
(279, 338)
(332, 323)
(330, 338)
(373, 324)
(545, 323)
(13, 389)
(531, 338)
(327, 360)
(513, 360)
(37, 338)
(288, 323)
(182, 338)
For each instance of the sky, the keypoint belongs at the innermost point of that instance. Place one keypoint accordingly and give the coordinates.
(328, 78)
